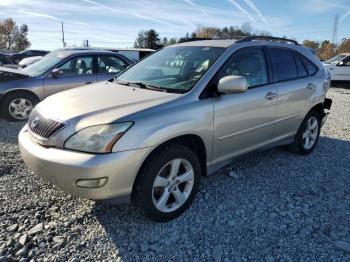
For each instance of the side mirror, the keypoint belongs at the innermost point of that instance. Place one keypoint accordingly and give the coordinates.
(341, 63)
(232, 85)
(56, 72)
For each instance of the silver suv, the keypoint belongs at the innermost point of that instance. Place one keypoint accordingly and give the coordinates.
(175, 116)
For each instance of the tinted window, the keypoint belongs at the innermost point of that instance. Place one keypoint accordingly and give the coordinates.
(283, 64)
(310, 67)
(249, 63)
(110, 64)
(78, 66)
(300, 66)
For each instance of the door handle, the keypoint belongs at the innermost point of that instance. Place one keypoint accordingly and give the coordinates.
(270, 95)
(311, 86)
(88, 83)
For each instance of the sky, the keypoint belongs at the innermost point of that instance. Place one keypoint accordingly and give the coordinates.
(115, 23)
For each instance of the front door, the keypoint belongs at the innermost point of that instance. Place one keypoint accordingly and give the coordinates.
(342, 70)
(77, 71)
(245, 121)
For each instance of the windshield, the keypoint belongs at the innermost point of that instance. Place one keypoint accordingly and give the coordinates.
(44, 64)
(173, 68)
(335, 59)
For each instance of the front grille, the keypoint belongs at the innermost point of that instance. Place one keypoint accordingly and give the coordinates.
(42, 126)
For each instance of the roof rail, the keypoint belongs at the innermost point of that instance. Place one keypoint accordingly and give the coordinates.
(267, 38)
(195, 39)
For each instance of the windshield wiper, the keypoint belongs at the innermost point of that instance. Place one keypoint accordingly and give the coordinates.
(152, 87)
(143, 86)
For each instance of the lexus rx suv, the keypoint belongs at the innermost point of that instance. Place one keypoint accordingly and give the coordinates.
(180, 114)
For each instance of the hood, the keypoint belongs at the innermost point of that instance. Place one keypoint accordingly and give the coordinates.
(99, 103)
(8, 74)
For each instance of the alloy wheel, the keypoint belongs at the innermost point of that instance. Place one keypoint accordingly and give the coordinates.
(173, 185)
(20, 108)
(310, 133)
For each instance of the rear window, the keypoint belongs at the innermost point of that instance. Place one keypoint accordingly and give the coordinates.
(300, 66)
(310, 67)
(283, 64)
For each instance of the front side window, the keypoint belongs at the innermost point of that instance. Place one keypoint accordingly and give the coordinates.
(283, 64)
(176, 68)
(78, 66)
(346, 61)
(249, 63)
(110, 64)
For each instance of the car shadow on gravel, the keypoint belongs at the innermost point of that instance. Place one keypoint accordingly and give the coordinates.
(267, 204)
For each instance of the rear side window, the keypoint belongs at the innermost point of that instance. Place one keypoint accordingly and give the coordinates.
(300, 67)
(283, 64)
(311, 68)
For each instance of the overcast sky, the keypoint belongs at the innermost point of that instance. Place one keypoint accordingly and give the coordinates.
(115, 23)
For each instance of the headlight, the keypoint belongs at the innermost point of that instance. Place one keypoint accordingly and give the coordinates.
(97, 139)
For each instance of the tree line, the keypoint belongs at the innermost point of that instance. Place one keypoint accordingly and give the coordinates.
(151, 39)
(12, 36)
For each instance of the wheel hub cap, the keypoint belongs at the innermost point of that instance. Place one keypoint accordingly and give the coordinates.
(20, 108)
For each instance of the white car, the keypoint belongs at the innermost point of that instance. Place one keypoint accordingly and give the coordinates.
(28, 61)
(339, 68)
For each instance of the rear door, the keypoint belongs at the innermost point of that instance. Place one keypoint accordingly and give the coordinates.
(293, 77)
(109, 66)
(245, 121)
(77, 71)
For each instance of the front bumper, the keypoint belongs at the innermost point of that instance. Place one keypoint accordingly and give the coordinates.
(64, 168)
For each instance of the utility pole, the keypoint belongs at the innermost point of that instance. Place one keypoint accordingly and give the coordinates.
(335, 29)
(64, 43)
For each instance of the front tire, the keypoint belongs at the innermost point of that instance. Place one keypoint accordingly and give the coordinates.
(17, 106)
(308, 134)
(168, 182)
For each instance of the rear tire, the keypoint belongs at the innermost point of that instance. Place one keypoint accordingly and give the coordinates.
(308, 134)
(17, 106)
(167, 182)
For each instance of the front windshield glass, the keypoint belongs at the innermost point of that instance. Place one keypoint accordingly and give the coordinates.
(44, 64)
(335, 59)
(173, 68)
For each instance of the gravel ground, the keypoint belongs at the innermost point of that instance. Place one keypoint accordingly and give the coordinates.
(271, 205)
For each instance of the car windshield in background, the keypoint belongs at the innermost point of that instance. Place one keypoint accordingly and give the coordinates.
(335, 59)
(176, 68)
(44, 64)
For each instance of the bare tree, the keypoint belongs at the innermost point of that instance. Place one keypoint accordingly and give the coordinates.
(13, 37)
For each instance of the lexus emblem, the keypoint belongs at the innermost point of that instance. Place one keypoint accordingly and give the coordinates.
(35, 122)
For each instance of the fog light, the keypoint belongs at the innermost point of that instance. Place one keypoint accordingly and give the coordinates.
(91, 183)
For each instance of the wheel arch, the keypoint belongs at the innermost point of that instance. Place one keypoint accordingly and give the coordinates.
(192, 141)
(14, 91)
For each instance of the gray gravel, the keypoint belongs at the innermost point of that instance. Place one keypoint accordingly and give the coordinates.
(271, 205)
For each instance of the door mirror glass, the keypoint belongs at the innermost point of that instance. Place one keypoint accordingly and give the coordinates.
(56, 72)
(232, 84)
